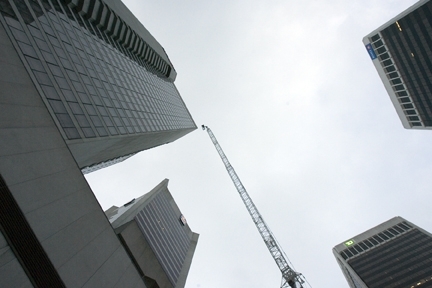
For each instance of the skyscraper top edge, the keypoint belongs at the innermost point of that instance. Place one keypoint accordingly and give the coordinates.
(394, 19)
(366, 234)
(130, 19)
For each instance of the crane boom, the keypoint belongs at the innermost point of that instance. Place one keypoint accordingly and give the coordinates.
(290, 278)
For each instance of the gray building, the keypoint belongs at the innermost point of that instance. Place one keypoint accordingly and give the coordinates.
(82, 82)
(106, 82)
(395, 253)
(401, 51)
(157, 237)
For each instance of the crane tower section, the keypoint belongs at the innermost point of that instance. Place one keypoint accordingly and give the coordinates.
(290, 278)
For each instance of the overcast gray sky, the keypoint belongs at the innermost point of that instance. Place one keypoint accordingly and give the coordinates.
(293, 98)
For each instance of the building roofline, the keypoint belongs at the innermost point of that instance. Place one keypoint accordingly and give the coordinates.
(397, 17)
(370, 232)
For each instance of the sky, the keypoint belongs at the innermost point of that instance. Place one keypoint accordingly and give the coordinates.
(293, 98)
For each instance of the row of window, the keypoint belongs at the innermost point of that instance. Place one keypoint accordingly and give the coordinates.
(101, 15)
(396, 81)
(91, 87)
(375, 240)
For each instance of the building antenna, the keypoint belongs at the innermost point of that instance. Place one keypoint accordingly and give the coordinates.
(290, 278)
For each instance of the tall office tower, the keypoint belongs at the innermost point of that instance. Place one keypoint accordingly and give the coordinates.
(81, 82)
(401, 51)
(107, 83)
(395, 253)
(156, 236)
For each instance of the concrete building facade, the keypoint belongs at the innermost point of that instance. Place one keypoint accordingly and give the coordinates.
(82, 82)
(401, 51)
(157, 236)
(107, 83)
(395, 253)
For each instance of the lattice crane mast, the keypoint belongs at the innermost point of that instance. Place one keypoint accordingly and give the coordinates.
(290, 278)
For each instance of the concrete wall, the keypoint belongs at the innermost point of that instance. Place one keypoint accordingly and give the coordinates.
(144, 255)
(51, 191)
(181, 282)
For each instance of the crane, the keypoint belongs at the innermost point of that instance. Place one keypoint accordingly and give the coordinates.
(290, 278)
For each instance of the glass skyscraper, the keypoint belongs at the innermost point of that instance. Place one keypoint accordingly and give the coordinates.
(401, 51)
(395, 253)
(106, 81)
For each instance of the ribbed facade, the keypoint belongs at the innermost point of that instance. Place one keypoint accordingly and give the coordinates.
(154, 221)
(394, 254)
(167, 237)
(401, 52)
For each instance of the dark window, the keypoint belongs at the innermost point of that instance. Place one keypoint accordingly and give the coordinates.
(35, 64)
(390, 69)
(378, 44)
(27, 50)
(405, 225)
(393, 75)
(101, 131)
(399, 87)
(57, 106)
(65, 121)
(88, 132)
(7, 10)
(396, 81)
(383, 236)
(50, 92)
(42, 78)
(373, 241)
(69, 96)
(76, 108)
(96, 121)
(379, 239)
(82, 121)
(384, 56)
(375, 37)
(353, 251)
(55, 70)
(393, 231)
(71, 133)
(381, 50)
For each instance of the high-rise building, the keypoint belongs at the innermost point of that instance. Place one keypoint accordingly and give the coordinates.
(81, 83)
(395, 253)
(401, 51)
(106, 82)
(157, 237)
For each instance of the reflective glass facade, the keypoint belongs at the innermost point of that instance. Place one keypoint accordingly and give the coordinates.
(98, 77)
(402, 262)
(403, 48)
(400, 255)
(168, 238)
